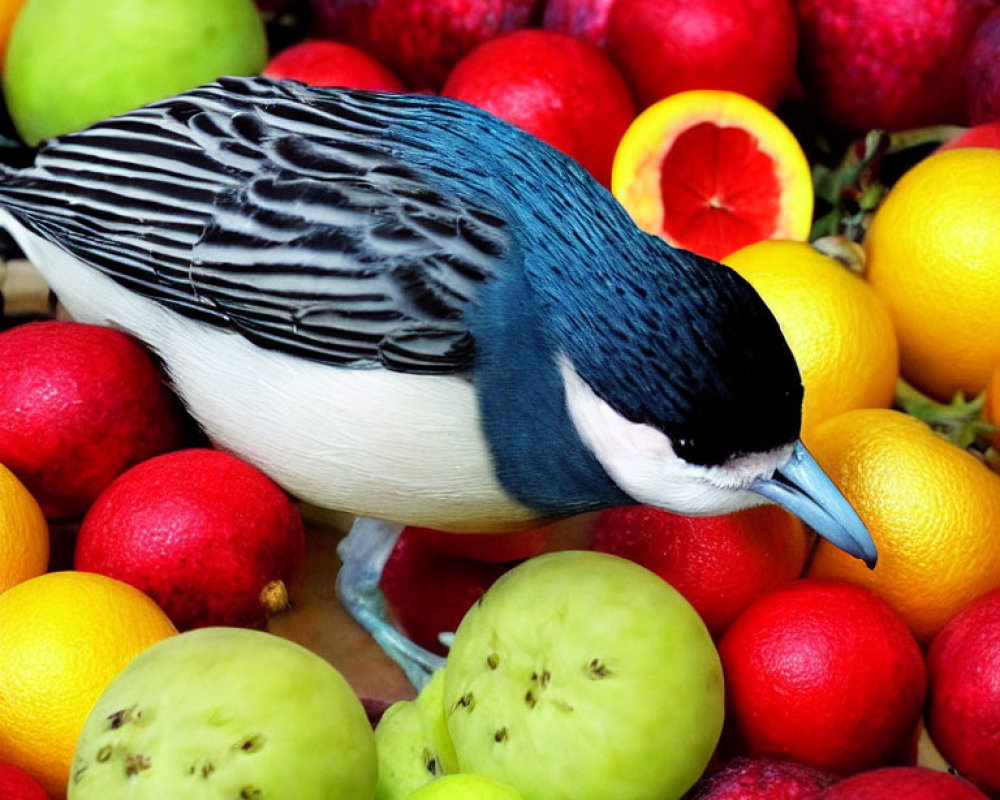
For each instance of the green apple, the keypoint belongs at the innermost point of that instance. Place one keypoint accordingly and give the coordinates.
(583, 676)
(413, 744)
(465, 786)
(70, 63)
(221, 713)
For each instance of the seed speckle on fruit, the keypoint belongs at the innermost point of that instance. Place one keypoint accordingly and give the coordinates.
(466, 701)
(493, 660)
(122, 716)
(136, 763)
(251, 793)
(597, 669)
(530, 699)
(253, 743)
(104, 754)
(500, 735)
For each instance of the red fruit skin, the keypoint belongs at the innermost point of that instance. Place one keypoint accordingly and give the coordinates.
(318, 62)
(825, 674)
(890, 64)
(761, 779)
(669, 46)
(419, 40)
(902, 783)
(79, 404)
(963, 717)
(584, 19)
(493, 548)
(561, 89)
(199, 531)
(985, 135)
(428, 592)
(16, 784)
(982, 71)
(720, 564)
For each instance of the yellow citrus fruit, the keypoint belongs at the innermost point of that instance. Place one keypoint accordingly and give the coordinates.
(64, 636)
(24, 534)
(712, 171)
(933, 254)
(837, 328)
(932, 509)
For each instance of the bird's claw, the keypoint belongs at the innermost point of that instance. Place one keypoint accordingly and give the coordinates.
(363, 554)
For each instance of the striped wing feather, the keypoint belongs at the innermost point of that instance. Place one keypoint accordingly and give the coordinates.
(296, 217)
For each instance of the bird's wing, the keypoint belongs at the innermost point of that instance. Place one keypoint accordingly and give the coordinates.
(296, 217)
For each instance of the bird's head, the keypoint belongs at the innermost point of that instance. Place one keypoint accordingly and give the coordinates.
(681, 384)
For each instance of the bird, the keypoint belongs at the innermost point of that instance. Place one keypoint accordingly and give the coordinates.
(401, 307)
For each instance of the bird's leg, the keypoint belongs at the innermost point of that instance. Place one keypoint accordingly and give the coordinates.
(363, 553)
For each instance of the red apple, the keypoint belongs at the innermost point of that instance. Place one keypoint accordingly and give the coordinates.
(418, 40)
(79, 404)
(210, 538)
(561, 89)
(982, 71)
(890, 64)
(669, 46)
(761, 779)
(986, 134)
(319, 62)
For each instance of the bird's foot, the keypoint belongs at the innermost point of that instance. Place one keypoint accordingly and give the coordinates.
(363, 553)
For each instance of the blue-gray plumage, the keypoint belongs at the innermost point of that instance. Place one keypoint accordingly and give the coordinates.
(421, 313)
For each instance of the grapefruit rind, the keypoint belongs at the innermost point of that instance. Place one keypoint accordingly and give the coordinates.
(636, 172)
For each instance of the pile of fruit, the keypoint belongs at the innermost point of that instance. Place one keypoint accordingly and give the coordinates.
(843, 157)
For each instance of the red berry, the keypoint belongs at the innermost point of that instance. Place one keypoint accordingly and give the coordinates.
(419, 40)
(982, 71)
(669, 46)
(890, 64)
(963, 719)
(720, 564)
(79, 404)
(16, 784)
(201, 532)
(761, 779)
(561, 89)
(427, 592)
(318, 62)
(826, 674)
(902, 783)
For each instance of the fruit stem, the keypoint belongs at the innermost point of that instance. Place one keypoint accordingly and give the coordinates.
(960, 421)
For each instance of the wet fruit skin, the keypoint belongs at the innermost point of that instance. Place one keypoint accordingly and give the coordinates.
(964, 696)
(418, 40)
(982, 71)
(79, 404)
(669, 46)
(891, 64)
(562, 90)
(204, 549)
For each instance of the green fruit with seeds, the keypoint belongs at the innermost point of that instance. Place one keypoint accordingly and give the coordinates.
(583, 676)
(226, 714)
(413, 744)
(466, 787)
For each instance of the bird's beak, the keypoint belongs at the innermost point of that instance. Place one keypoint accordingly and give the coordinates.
(800, 486)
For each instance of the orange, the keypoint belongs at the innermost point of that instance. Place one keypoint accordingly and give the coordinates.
(24, 535)
(64, 636)
(712, 171)
(838, 329)
(933, 254)
(991, 406)
(932, 509)
(825, 674)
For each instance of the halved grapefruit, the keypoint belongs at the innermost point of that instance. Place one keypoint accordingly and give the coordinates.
(713, 171)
